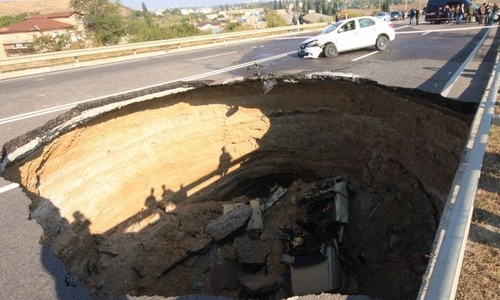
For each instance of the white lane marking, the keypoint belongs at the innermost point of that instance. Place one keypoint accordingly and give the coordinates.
(402, 27)
(366, 55)
(189, 78)
(447, 87)
(8, 187)
(443, 30)
(212, 56)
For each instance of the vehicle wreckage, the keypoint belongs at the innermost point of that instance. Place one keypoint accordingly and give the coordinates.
(311, 247)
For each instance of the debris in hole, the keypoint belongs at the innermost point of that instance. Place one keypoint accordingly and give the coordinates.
(268, 85)
(229, 223)
(341, 130)
(312, 247)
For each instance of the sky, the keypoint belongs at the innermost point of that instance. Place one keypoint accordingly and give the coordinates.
(169, 4)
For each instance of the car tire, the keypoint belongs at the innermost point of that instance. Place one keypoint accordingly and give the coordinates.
(330, 50)
(382, 43)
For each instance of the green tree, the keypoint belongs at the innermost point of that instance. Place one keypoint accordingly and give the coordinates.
(182, 30)
(273, 19)
(147, 15)
(386, 5)
(102, 19)
(7, 20)
(48, 43)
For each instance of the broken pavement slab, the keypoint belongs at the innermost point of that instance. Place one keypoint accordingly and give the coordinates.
(229, 223)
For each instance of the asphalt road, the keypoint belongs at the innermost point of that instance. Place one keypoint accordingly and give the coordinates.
(447, 59)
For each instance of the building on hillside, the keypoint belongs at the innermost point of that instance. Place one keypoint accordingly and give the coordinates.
(14, 39)
(205, 10)
(187, 11)
(213, 26)
(241, 13)
(157, 12)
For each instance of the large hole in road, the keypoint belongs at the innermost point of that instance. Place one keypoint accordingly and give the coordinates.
(124, 195)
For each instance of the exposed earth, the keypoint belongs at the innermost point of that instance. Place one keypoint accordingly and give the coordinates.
(125, 196)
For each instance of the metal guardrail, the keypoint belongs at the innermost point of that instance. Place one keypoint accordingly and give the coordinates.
(443, 271)
(76, 56)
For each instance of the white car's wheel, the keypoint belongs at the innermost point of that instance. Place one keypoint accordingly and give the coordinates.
(382, 43)
(330, 50)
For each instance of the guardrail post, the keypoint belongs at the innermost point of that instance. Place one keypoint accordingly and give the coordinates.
(496, 120)
(77, 60)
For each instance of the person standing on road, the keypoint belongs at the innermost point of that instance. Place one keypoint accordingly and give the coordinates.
(482, 13)
(417, 16)
(470, 13)
(460, 13)
(489, 14)
(447, 14)
(495, 12)
(412, 16)
(301, 21)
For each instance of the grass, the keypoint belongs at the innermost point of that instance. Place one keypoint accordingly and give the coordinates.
(480, 275)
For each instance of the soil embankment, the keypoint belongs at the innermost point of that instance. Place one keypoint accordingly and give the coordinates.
(124, 196)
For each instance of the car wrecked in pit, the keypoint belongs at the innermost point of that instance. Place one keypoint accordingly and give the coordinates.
(313, 247)
(346, 35)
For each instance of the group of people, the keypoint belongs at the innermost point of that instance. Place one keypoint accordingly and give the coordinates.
(414, 16)
(487, 13)
(459, 13)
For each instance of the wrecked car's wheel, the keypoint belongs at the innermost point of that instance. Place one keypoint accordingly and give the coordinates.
(330, 50)
(382, 43)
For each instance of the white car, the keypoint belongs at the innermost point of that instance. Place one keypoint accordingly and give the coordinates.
(347, 35)
(383, 16)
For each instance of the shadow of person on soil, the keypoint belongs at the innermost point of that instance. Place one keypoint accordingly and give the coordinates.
(67, 286)
(224, 162)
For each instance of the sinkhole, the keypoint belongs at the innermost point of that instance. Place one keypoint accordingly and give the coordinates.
(124, 187)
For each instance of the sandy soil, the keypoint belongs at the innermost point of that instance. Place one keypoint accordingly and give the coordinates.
(124, 199)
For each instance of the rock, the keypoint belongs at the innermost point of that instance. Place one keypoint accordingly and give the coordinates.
(148, 246)
(258, 283)
(250, 252)
(198, 285)
(225, 276)
(229, 223)
(264, 237)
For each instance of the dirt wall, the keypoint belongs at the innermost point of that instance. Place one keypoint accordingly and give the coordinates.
(132, 187)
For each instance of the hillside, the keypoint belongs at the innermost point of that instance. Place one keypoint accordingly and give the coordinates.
(14, 7)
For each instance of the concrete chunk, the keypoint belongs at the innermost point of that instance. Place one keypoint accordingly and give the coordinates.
(229, 223)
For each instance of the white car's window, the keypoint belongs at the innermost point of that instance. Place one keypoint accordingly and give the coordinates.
(363, 23)
(351, 25)
(330, 28)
